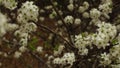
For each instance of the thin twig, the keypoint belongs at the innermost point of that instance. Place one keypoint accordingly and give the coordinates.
(94, 65)
(38, 58)
(45, 27)
(56, 10)
(67, 28)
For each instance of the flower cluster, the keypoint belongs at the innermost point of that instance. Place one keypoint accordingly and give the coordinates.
(28, 12)
(23, 32)
(105, 59)
(17, 54)
(53, 14)
(10, 4)
(69, 19)
(81, 42)
(84, 7)
(102, 12)
(106, 32)
(70, 6)
(82, 27)
(59, 50)
(68, 58)
(106, 7)
(5, 26)
(112, 56)
(95, 15)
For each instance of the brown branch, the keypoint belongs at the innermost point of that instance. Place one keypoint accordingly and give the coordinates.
(56, 10)
(63, 22)
(38, 58)
(94, 65)
(46, 28)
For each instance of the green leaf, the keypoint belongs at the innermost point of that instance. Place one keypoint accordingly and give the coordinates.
(32, 43)
(111, 5)
(32, 47)
(56, 47)
(34, 40)
(83, 34)
(114, 41)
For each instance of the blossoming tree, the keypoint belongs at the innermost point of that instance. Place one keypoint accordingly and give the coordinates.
(61, 33)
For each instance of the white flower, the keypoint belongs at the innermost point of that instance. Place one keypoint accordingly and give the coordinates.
(60, 12)
(101, 40)
(48, 7)
(59, 51)
(17, 54)
(24, 41)
(5, 54)
(83, 51)
(50, 57)
(115, 50)
(71, 1)
(11, 27)
(85, 15)
(27, 28)
(42, 19)
(77, 21)
(95, 21)
(21, 35)
(31, 27)
(70, 7)
(39, 49)
(59, 22)
(10, 4)
(22, 49)
(53, 14)
(81, 9)
(95, 13)
(69, 19)
(4, 26)
(55, 3)
(106, 59)
(69, 57)
(86, 5)
(42, 11)
(57, 61)
(3, 21)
